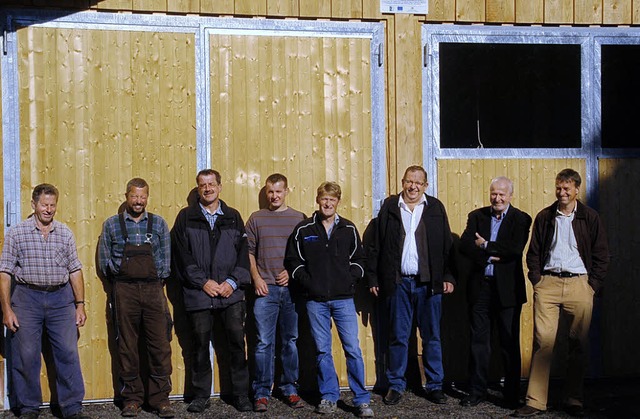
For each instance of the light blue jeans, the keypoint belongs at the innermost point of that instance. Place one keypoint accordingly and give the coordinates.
(344, 315)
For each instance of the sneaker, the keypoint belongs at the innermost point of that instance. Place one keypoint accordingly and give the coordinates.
(294, 401)
(260, 405)
(242, 404)
(364, 411)
(166, 411)
(131, 410)
(326, 407)
(198, 405)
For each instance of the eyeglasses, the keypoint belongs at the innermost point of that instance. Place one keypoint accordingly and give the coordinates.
(412, 183)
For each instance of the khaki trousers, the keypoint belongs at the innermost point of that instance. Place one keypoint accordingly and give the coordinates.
(551, 296)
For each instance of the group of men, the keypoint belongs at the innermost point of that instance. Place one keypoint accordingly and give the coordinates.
(301, 266)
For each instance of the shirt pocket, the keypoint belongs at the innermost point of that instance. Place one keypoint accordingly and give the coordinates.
(61, 258)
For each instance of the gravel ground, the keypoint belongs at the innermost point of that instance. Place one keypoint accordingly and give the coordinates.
(604, 399)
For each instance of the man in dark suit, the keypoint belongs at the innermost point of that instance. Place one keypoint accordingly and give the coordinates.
(494, 240)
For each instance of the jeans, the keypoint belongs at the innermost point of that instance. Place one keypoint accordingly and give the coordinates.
(275, 310)
(408, 299)
(231, 319)
(142, 307)
(54, 312)
(344, 315)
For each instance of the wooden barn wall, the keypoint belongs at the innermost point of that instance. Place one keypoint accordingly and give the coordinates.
(463, 185)
(114, 134)
(300, 106)
(100, 107)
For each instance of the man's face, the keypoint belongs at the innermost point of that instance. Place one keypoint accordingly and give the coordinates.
(566, 192)
(45, 208)
(500, 196)
(413, 186)
(137, 200)
(276, 195)
(327, 205)
(208, 189)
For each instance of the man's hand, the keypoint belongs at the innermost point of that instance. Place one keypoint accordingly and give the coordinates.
(10, 320)
(225, 290)
(211, 288)
(81, 315)
(480, 241)
(448, 287)
(261, 287)
(374, 290)
(283, 278)
(494, 259)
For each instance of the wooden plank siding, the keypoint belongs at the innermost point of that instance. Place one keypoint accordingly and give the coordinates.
(463, 186)
(105, 145)
(92, 131)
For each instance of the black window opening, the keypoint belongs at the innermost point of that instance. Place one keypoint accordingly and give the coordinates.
(510, 95)
(620, 95)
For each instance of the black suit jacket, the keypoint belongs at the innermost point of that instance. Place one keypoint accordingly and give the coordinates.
(508, 246)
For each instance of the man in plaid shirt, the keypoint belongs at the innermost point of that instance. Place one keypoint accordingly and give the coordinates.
(40, 255)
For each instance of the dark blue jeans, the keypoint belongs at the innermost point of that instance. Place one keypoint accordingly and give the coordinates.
(54, 312)
(275, 311)
(409, 299)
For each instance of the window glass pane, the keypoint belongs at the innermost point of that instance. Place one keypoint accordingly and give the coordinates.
(510, 95)
(620, 96)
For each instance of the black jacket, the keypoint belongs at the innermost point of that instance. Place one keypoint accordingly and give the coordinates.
(508, 246)
(200, 253)
(433, 239)
(325, 268)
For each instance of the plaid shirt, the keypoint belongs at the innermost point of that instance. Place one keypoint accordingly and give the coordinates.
(32, 259)
(111, 244)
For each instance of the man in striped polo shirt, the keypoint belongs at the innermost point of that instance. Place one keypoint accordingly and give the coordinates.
(267, 232)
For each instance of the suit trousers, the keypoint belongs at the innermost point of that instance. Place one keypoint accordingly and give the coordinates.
(552, 296)
(484, 310)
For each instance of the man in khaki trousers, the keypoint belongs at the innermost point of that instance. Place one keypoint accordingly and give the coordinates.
(567, 259)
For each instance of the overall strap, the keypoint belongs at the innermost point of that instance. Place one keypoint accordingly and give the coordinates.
(149, 228)
(123, 227)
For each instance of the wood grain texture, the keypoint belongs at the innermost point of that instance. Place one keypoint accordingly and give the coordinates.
(588, 12)
(501, 11)
(470, 10)
(442, 11)
(529, 11)
(618, 12)
(559, 12)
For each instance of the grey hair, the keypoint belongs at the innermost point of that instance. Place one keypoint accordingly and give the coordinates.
(505, 179)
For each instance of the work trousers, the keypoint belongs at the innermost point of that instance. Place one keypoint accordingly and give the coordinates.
(141, 307)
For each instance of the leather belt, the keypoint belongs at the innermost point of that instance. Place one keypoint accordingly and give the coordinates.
(46, 288)
(563, 274)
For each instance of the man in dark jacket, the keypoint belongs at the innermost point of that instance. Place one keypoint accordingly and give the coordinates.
(211, 259)
(567, 259)
(324, 258)
(409, 267)
(494, 240)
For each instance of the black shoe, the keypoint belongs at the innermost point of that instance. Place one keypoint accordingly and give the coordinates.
(472, 400)
(392, 397)
(574, 410)
(198, 405)
(242, 404)
(437, 397)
